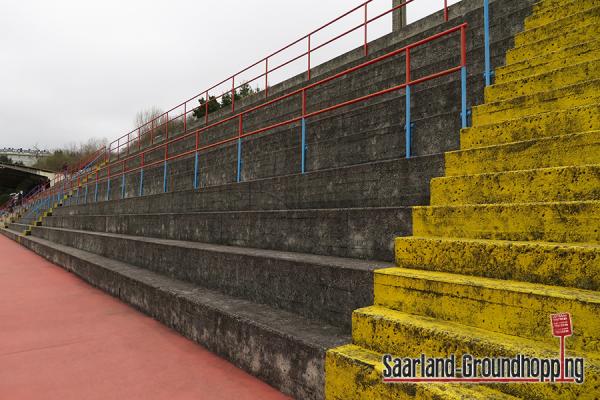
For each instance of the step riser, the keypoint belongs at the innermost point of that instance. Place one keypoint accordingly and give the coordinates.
(381, 184)
(560, 151)
(544, 185)
(576, 120)
(251, 347)
(553, 222)
(512, 261)
(406, 340)
(561, 99)
(584, 17)
(543, 16)
(492, 309)
(315, 291)
(357, 233)
(532, 50)
(574, 55)
(547, 82)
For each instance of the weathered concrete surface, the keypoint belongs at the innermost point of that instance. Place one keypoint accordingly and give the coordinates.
(318, 287)
(281, 348)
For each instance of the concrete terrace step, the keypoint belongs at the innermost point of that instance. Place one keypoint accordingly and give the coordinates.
(562, 222)
(568, 37)
(366, 233)
(281, 348)
(544, 82)
(383, 330)
(355, 373)
(318, 287)
(377, 184)
(571, 183)
(556, 264)
(576, 54)
(502, 306)
(581, 94)
(546, 124)
(585, 16)
(548, 14)
(574, 149)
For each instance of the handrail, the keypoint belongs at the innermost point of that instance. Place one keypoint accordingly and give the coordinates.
(71, 178)
(164, 118)
(123, 170)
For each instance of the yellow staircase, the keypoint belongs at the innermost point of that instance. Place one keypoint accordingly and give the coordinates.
(512, 234)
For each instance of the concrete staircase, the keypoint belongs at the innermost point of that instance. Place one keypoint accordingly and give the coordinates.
(512, 234)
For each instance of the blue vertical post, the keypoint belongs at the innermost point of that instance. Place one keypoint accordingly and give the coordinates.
(77, 202)
(303, 144)
(486, 29)
(86, 194)
(141, 182)
(165, 178)
(239, 160)
(108, 189)
(408, 123)
(463, 96)
(196, 171)
(123, 187)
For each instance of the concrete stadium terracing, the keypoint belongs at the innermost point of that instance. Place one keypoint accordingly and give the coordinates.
(305, 280)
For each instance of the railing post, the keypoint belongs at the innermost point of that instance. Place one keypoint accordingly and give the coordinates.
(463, 76)
(141, 191)
(184, 118)
(196, 163)
(123, 182)
(239, 149)
(408, 129)
(446, 10)
(266, 77)
(303, 137)
(167, 126)
(308, 53)
(233, 93)
(108, 184)
(486, 29)
(366, 45)
(206, 108)
(165, 171)
(86, 194)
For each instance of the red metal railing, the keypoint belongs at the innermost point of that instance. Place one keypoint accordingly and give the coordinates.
(150, 130)
(119, 168)
(154, 128)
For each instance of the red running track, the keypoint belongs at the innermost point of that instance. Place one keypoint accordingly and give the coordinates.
(63, 339)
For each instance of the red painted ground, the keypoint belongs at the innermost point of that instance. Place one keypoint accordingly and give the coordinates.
(62, 339)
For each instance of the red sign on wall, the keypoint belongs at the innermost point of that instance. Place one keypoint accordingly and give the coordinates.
(561, 325)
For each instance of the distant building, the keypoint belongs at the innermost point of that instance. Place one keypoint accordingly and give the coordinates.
(26, 156)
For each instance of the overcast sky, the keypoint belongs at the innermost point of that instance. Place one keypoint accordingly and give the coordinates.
(71, 70)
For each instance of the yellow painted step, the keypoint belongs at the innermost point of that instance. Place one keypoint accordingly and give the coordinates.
(577, 95)
(572, 183)
(547, 124)
(569, 37)
(547, 81)
(581, 52)
(556, 264)
(355, 373)
(496, 305)
(548, 15)
(562, 222)
(404, 335)
(556, 151)
(584, 17)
